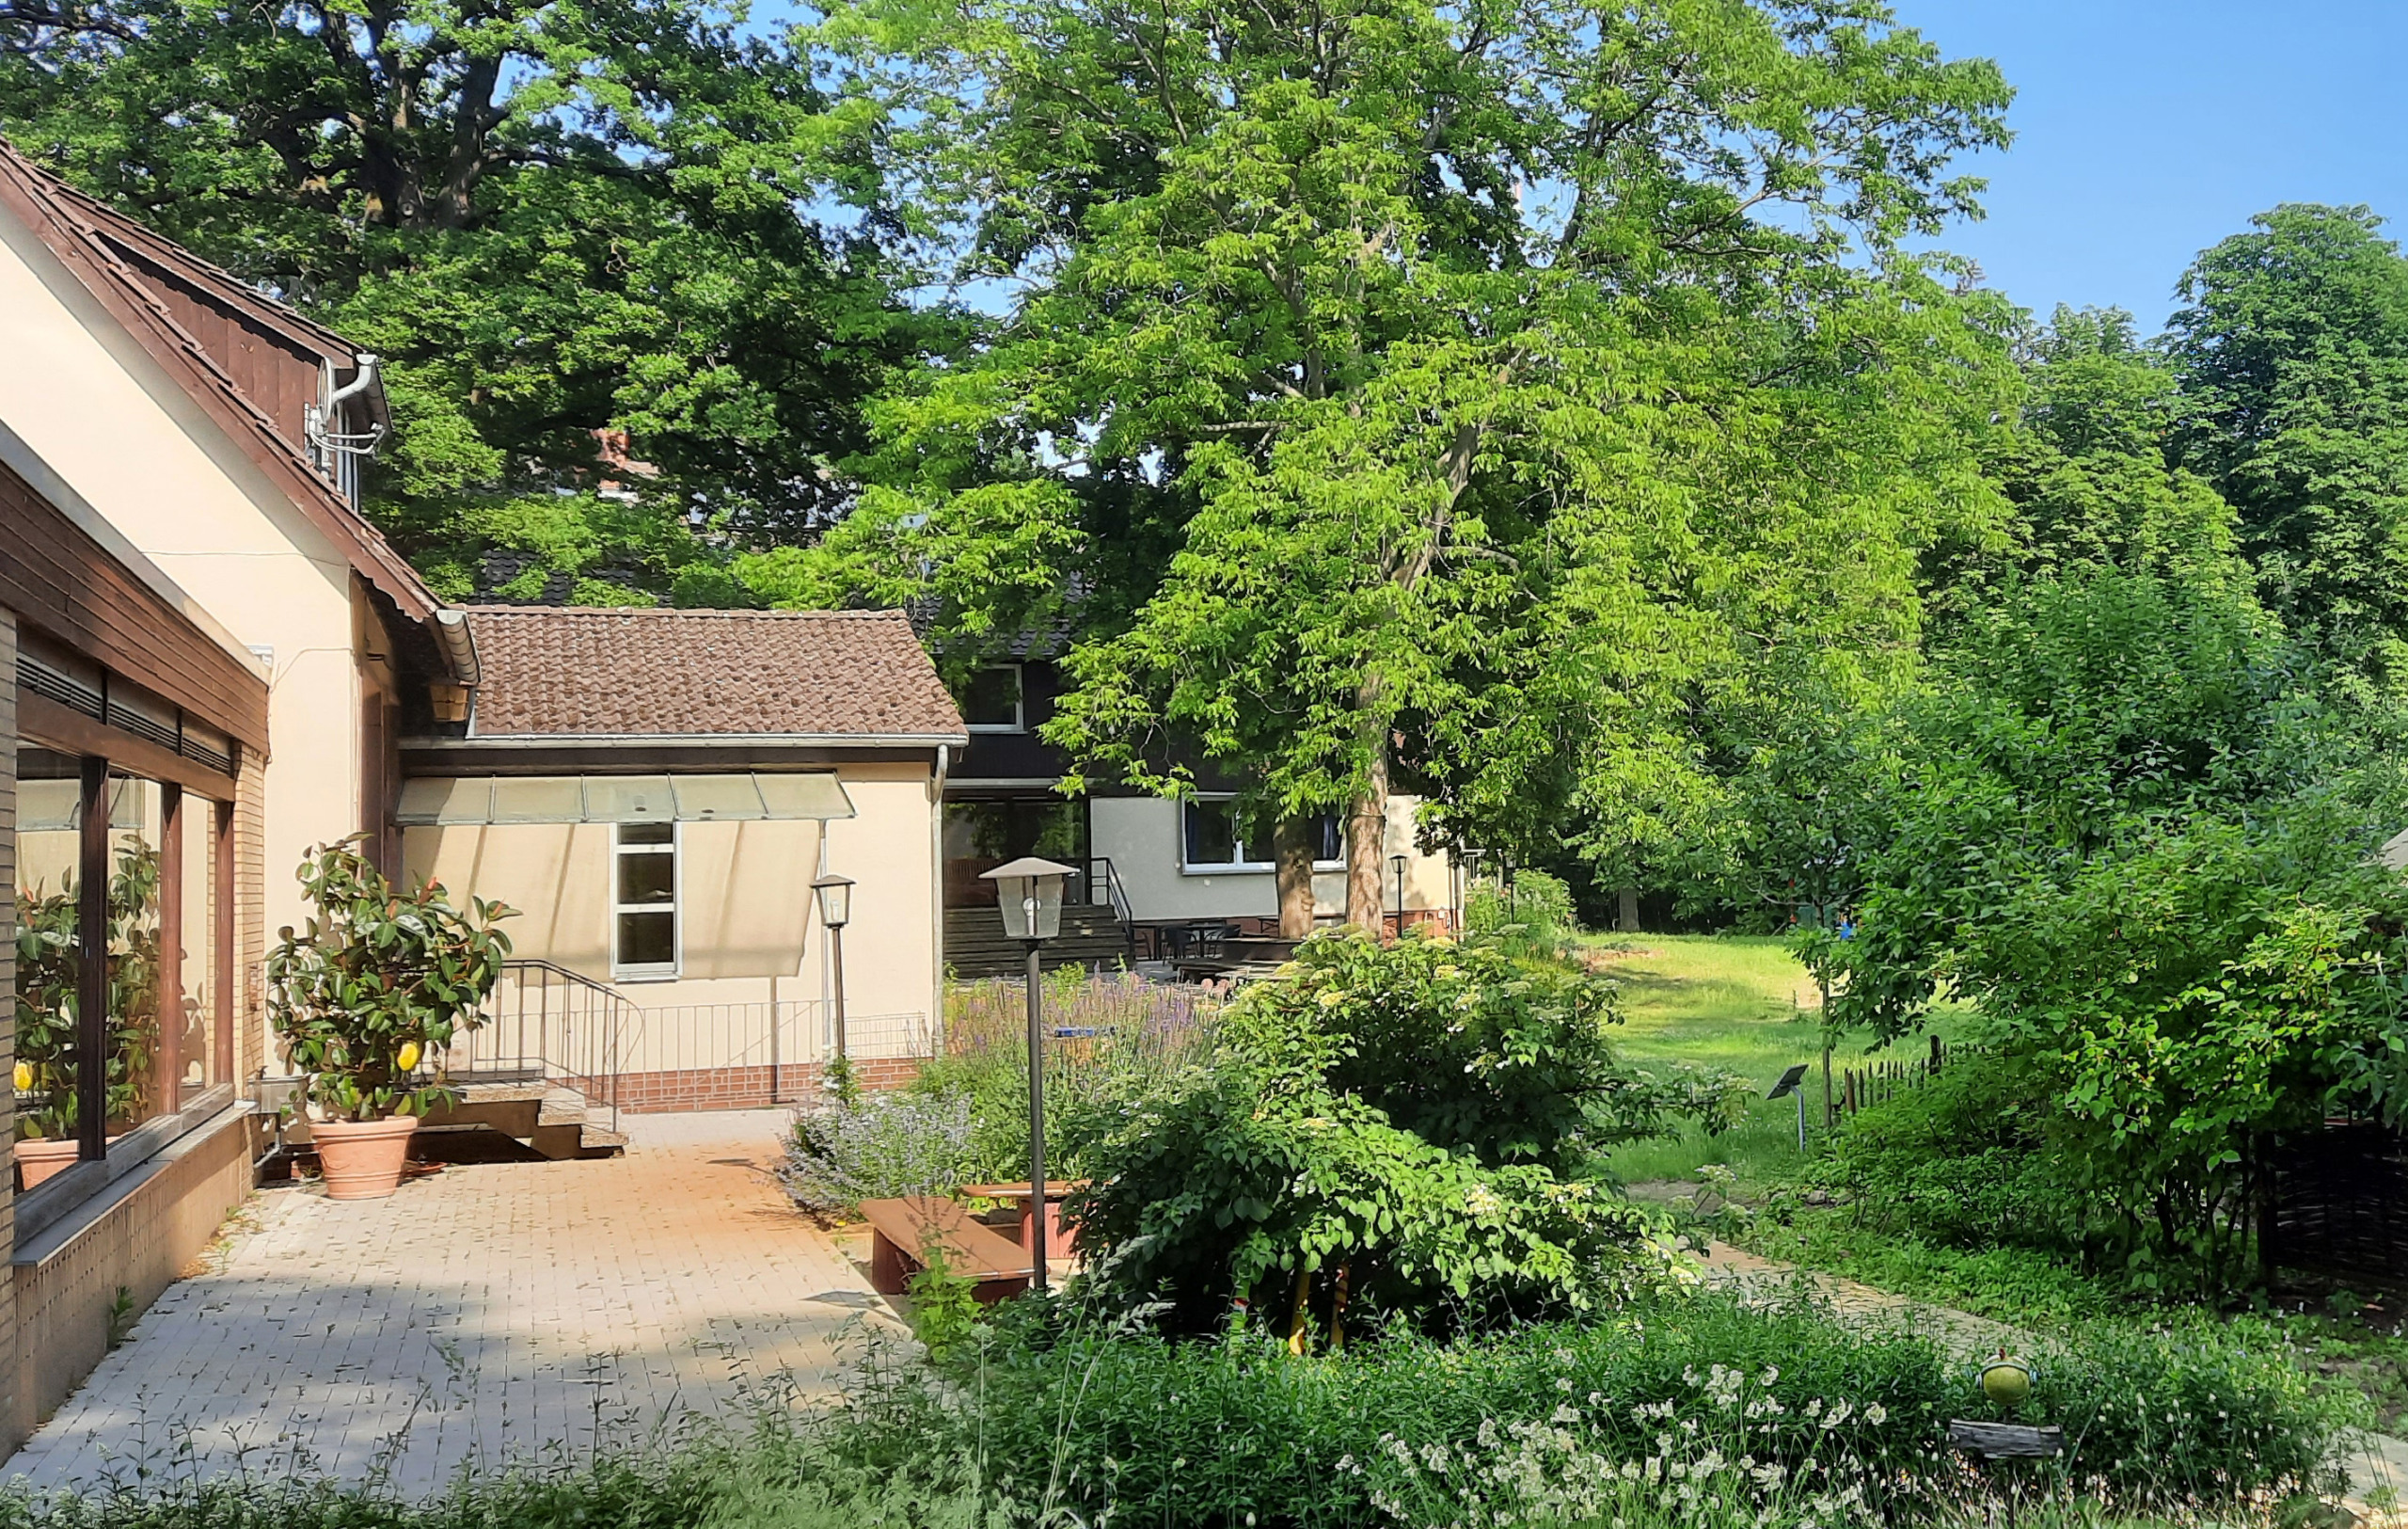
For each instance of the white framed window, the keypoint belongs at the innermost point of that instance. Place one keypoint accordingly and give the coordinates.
(994, 701)
(1214, 837)
(643, 901)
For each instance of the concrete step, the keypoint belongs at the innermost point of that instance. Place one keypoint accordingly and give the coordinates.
(976, 944)
(546, 1116)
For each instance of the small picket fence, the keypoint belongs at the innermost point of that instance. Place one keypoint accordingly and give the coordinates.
(1881, 1079)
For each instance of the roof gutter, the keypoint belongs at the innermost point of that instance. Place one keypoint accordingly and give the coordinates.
(459, 647)
(559, 741)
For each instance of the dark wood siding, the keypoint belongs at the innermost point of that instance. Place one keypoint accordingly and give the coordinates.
(63, 584)
(279, 376)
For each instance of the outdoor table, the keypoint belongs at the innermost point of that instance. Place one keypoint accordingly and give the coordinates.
(1058, 1243)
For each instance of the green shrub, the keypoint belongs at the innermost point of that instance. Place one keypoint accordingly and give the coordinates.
(369, 995)
(1124, 1033)
(1554, 1420)
(1402, 1126)
(1533, 917)
(1775, 1412)
(1960, 1161)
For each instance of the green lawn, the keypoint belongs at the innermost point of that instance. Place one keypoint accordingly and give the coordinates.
(1731, 1001)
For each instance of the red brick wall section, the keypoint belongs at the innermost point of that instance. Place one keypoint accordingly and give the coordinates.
(8, 1409)
(744, 1087)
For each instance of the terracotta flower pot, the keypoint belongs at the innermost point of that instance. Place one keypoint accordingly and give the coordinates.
(362, 1159)
(43, 1158)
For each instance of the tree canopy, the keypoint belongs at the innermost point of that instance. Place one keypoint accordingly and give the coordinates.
(1459, 392)
(573, 232)
(2292, 355)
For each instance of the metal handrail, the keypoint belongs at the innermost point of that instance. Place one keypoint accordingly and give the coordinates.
(1116, 897)
(545, 1022)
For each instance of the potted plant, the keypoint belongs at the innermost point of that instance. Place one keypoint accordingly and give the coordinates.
(46, 1009)
(372, 992)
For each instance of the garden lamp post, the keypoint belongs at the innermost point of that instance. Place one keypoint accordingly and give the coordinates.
(1397, 864)
(1028, 893)
(835, 911)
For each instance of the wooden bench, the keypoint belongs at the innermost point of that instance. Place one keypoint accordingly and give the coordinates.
(1058, 1243)
(901, 1229)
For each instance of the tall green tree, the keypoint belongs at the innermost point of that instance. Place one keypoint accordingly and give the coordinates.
(1446, 390)
(2090, 471)
(553, 220)
(2293, 354)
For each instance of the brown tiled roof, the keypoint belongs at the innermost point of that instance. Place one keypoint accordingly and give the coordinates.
(551, 672)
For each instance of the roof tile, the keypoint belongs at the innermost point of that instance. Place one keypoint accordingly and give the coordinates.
(575, 672)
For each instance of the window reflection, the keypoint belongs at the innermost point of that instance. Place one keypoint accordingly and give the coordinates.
(48, 820)
(196, 1060)
(135, 835)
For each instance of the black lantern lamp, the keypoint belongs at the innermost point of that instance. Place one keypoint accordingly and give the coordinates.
(835, 911)
(1397, 864)
(1028, 892)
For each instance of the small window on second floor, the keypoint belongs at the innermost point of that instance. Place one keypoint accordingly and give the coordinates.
(992, 701)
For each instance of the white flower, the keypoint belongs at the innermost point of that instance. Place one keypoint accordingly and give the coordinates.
(1772, 1372)
(1877, 1414)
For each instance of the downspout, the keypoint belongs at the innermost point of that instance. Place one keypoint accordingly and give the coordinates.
(361, 380)
(459, 647)
(936, 897)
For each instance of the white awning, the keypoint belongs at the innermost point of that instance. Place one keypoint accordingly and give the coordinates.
(447, 801)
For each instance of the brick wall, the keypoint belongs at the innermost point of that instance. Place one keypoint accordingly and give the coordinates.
(751, 1087)
(251, 918)
(64, 1286)
(8, 995)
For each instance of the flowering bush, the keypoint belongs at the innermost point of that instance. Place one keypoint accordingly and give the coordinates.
(876, 1147)
(1115, 1036)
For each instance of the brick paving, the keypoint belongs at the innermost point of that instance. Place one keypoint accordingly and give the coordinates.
(492, 1314)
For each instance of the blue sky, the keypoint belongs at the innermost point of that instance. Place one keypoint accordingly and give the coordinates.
(2146, 131)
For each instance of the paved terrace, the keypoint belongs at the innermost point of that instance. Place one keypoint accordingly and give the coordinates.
(488, 1315)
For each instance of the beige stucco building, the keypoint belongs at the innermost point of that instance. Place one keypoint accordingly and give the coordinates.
(658, 791)
(212, 662)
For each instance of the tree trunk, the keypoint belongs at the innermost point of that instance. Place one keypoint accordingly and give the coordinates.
(1628, 923)
(1293, 845)
(1367, 832)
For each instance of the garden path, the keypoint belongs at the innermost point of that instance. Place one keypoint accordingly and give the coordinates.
(2376, 1461)
(485, 1314)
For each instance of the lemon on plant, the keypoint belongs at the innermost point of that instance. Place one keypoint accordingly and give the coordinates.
(408, 1058)
(25, 1078)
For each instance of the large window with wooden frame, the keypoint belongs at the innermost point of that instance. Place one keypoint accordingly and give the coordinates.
(643, 903)
(121, 1007)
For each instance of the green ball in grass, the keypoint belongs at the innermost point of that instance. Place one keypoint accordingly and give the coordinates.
(2006, 1381)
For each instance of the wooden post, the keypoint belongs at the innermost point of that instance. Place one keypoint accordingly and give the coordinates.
(1296, 1310)
(167, 1068)
(92, 962)
(221, 872)
(1829, 1117)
